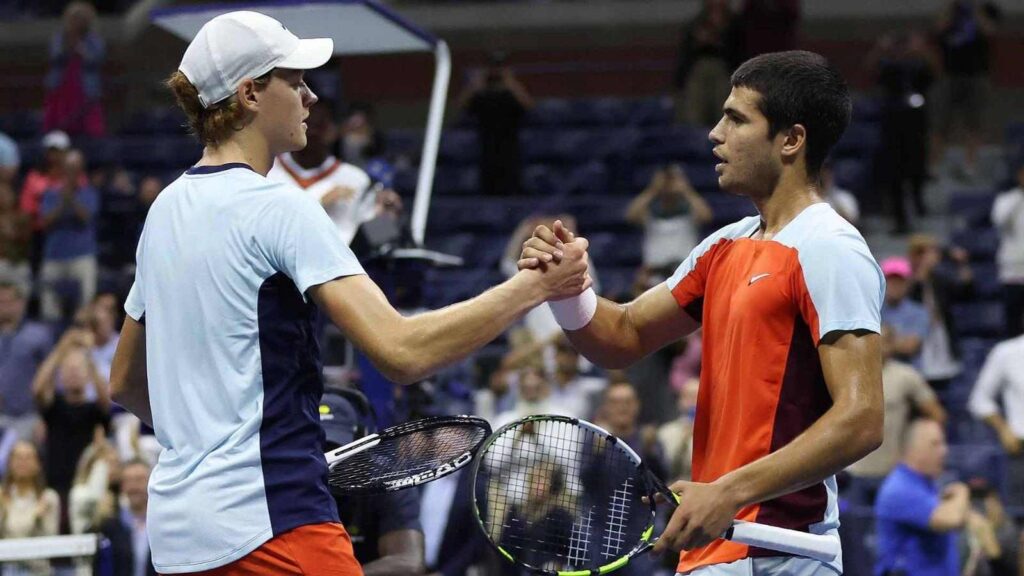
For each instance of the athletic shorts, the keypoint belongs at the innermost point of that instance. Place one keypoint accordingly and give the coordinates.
(773, 566)
(311, 550)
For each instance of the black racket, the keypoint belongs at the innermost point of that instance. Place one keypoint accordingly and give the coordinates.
(561, 496)
(406, 455)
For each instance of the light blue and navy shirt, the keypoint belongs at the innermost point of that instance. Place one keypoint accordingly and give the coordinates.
(224, 262)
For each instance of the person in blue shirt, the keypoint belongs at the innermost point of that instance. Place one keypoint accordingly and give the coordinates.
(908, 319)
(69, 252)
(917, 522)
(24, 345)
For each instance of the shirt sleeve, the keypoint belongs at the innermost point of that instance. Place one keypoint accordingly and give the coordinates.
(906, 506)
(688, 282)
(400, 511)
(840, 286)
(301, 241)
(984, 398)
(135, 303)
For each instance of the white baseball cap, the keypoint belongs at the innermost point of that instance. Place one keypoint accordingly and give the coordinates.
(240, 45)
(57, 139)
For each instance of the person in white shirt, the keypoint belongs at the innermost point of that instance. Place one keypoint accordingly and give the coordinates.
(344, 190)
(1008, 218)
(842, 201)
(1001, 381)
(218, 351)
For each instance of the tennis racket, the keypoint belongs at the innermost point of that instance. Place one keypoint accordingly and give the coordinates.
(561, 496)
(406, 455)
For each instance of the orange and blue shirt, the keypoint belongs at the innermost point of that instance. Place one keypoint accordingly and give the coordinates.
(765, 305)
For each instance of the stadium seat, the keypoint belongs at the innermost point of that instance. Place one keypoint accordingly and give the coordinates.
(867, 109)
(978, 461)
(459, 147)
(860, 140)
(559, 145)
(602, 112)
(674, 144)
(550, 112)
(401, 142)
(981, 243)
(853, 174)
(657, 111)
(979, 319)
(587, 179)
(971, 208)
(456, 180)
(986, 281)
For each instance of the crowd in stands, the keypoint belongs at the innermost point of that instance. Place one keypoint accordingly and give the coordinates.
(73, 462)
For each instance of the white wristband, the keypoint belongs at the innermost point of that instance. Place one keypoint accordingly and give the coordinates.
(576, 312)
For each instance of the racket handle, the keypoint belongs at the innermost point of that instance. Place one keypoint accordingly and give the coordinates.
(817, 546)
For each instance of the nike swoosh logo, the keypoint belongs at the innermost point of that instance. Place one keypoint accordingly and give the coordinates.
(758, 277)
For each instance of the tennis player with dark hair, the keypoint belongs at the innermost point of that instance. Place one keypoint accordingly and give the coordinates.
(219, 350)
(789, 301)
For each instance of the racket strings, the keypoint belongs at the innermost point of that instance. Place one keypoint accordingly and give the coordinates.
(559, 496)
(401, 456)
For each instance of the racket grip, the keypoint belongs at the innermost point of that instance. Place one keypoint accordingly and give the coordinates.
(817, 546)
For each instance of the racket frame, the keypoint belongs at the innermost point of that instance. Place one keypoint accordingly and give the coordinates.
(340, 454)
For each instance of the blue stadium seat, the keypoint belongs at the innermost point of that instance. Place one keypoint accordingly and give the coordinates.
(459, 146)
(561, 145)
(600, 112)
(623, 248)
(853, 174)
(978, 461)
(674, 144)
(104, 151)
(403, 142)
(971, 208)
(986, 281)
(981, 243)
(702, 175)
(587, 179)
(983, 319)
(1015, 134)
(542, 179)
(728, 208)
(656, 111)
(597, 213)
(867, 109)
(25, 124)
(616, 281)
(551, 112)
(860, 140)
(456, 180)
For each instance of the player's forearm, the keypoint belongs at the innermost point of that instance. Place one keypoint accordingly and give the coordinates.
(842, 436)
(429, 341)
(610, 340)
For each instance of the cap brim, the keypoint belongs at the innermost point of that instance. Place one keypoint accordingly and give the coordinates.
(311, 53)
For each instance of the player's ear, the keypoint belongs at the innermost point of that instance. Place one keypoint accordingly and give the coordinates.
(248, 95)
(793, 141)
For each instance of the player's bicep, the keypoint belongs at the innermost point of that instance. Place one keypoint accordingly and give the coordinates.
(128, 369)
(851, 363)
(358, 307)
(658, 319)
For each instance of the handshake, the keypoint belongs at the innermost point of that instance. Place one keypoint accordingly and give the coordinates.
(557, 261)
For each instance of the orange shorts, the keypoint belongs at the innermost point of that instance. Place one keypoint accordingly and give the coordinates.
(315, 549)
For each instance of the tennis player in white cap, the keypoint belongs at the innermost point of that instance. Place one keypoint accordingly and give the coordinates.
(219, 352)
